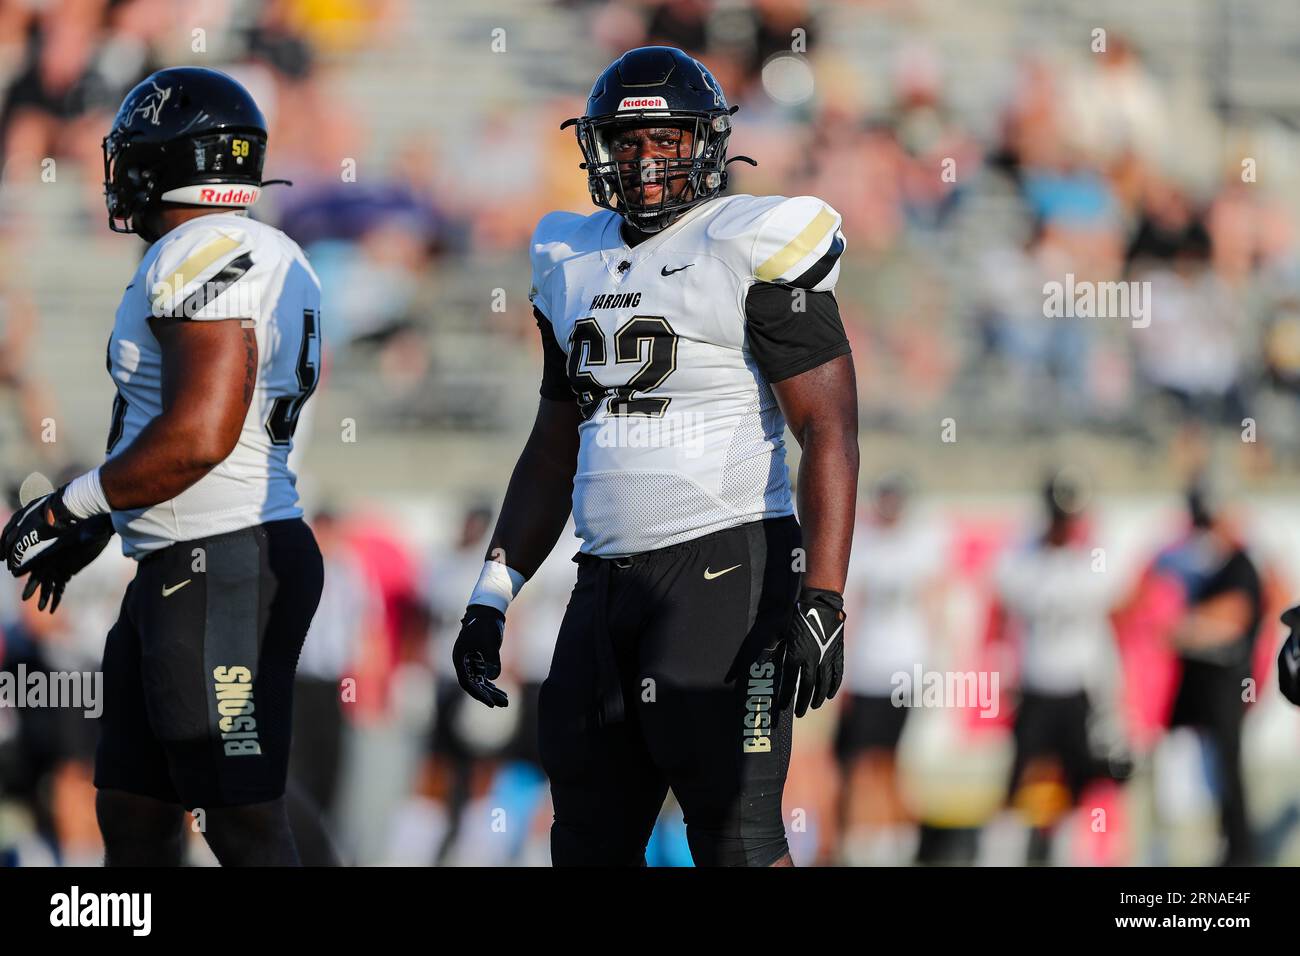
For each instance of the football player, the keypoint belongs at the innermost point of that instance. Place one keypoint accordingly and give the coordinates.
(214, 351)
(1056, 609)
(682, 330)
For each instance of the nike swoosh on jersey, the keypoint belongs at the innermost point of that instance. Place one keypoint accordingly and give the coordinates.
(665, 271)
(710, 575)
(169, 591)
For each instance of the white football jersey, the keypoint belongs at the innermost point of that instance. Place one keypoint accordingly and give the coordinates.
(890, 570)
(221, 266)
(681, 434)
(1061, 602)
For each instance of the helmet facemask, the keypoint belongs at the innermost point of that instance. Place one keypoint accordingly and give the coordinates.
(686, 180)
(130, 183)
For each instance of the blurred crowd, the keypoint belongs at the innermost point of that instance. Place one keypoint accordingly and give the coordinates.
(1132, 688)
(1076, 160)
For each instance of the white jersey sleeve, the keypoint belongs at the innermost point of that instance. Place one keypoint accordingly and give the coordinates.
(551, 244)
(209, 273)
(795, 242)
(799, 243)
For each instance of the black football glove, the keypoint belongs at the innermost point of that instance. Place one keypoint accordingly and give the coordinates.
(32, 527)
(814, 650)
(45, 542)
(477, 654)
(53, 568)
(1288, 659)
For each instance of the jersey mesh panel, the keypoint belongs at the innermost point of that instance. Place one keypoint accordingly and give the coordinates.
(630, 512)
(751, 474)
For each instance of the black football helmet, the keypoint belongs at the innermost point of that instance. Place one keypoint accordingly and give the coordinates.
(656, 86)
(186, 135)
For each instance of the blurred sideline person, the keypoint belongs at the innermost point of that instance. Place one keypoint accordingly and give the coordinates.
(465, 745)
(1055, 604)
(47, 754)
(523, 781)
(1215, 640)
(682, 329)
(214, 351)
(892, 584)
(18, 374)
(332, 646)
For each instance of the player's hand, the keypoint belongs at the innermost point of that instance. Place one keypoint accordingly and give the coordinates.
(477, 654)
(814, 650)
(53, 568)
(33, 528)
(65, 557)
(47, 544)
(1288, 659)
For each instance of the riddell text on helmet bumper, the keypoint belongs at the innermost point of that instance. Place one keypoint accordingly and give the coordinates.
(221, 194)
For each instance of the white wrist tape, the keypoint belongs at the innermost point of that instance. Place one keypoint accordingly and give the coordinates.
(84, 496)
(497, 586)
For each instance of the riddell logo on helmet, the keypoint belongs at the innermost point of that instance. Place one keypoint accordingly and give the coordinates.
(214, 194)
(643, 103)
(236, 195)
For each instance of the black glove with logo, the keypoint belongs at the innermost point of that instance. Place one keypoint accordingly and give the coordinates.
(814, 650)
(41, 520)
(477, 654)
(45, 542)
(1288, 659)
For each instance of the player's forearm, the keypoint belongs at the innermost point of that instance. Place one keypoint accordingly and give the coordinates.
(828, 490)
(536, 509)
(167, 457)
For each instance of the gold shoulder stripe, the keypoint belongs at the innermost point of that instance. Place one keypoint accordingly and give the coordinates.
(195, 265)
(797, 248)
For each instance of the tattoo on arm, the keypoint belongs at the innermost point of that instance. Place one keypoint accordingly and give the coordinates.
(250, 363)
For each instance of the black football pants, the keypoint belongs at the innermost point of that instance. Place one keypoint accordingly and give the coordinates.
(666, 675)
